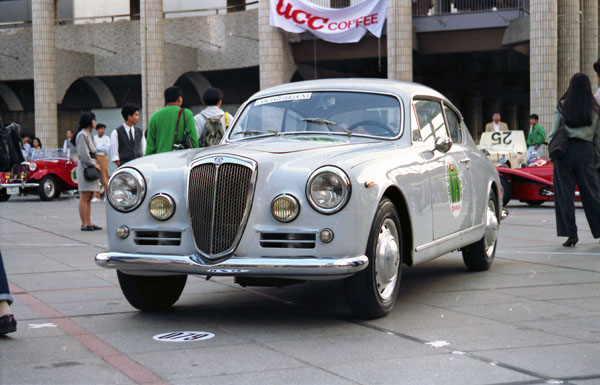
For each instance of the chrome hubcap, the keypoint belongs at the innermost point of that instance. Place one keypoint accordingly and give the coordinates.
(491, 229)
(387, 259)
(49, 188)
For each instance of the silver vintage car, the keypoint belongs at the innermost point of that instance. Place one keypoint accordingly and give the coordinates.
(319, 180)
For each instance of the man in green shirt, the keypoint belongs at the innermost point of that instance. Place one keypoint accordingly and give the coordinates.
(536, 137)
(161, 128)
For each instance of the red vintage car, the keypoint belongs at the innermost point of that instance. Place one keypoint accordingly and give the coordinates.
(15, 181)
(53, 171)
(533, 184)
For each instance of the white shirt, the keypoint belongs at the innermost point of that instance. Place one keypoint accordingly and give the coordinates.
(114, 142)
(496, 126)
(102, 144)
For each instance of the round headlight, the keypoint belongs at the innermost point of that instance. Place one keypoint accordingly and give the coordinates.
(32, 166)
(126, 189)
(162, 207)
(328, 189)
(285, 208)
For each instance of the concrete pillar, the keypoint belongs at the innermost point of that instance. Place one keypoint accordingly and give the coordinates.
(569, 42)
(276, 62)
(474, 115)
(153, 69)
(509, 115)
(589, 46)
(44, 71)
(543, 60)
(399, 40)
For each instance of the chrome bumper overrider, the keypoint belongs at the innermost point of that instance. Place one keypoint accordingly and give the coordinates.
(236, 266)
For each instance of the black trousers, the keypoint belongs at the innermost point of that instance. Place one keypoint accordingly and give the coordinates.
(4, 293)
(577, 167)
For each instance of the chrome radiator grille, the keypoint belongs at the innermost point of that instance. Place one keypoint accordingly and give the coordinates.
(219, 199)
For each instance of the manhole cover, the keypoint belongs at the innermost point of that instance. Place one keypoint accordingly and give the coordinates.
(183, 336)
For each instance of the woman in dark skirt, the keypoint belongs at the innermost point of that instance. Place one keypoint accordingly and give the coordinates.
(580, 113)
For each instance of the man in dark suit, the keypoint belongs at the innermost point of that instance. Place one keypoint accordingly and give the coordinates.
(127, 142)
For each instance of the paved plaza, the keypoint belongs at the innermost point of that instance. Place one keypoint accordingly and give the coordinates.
(534, 318)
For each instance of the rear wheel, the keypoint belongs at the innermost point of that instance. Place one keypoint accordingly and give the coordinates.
(4, 195)
(506, 190)
(372, 292)
(480, 255)
(151, 293)
(48, 189)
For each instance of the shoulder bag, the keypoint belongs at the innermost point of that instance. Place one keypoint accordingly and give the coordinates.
(185, 142)
(557, 147)
(90, 173)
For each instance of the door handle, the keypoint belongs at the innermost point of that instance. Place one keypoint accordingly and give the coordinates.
(466, 160)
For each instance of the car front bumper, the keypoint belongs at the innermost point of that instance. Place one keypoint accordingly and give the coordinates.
(21, 185)
(323, 268)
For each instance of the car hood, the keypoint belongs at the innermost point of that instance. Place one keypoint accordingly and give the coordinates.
(309, 151)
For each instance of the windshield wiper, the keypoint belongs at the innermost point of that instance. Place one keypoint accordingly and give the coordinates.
(326, 123)
(254, 132)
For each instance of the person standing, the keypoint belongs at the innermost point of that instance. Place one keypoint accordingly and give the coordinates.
(162, 125)
(8, 324)
(36, 144)
(102, 143)
(127, 142)
(535, 138)
(25, 146)
(580, 114)
(496, 125)
(84, 141)
(69, 148)
(212, 122)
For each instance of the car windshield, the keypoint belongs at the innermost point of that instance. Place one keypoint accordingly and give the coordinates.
(48, 153)
(343, 113)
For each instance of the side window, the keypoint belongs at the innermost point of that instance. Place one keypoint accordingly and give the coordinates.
(431, 119)
(453, 125)
(416, 134)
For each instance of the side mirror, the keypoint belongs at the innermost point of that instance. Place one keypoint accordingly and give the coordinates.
(443, 144)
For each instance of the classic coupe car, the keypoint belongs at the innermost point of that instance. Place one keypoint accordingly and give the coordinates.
(53, 171)
(320, 180)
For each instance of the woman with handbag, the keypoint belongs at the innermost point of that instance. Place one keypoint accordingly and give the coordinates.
(88, 170)
(577, 115)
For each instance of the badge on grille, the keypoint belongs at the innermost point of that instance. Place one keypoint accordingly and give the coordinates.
(218, 161)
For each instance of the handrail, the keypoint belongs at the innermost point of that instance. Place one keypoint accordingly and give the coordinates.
(452, 7)
(129, 16)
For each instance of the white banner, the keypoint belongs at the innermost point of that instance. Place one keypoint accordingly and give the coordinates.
(338, 25)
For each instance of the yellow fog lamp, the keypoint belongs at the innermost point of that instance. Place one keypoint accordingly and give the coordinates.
(285, 208)
(162, 207)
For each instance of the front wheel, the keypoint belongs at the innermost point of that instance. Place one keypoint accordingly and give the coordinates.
(4, 196)
(535, 203)
(372, 292)
(48, 189)
(479, 256)
(151, 293)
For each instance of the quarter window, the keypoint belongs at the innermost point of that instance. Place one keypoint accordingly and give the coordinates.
(453, 125)
(431, 120)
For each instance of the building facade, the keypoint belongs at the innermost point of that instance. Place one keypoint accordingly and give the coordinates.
(58, 58)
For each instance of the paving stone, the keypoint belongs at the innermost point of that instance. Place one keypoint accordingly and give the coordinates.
(426, 370)
(553, 361)
(296, 376)
(192, 362)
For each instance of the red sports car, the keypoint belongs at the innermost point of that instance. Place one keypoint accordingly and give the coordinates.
(54, 172)
(533, 184)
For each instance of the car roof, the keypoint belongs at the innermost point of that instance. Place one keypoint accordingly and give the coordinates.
(400, 88)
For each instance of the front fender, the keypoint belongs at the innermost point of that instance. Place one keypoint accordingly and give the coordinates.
(525, 175)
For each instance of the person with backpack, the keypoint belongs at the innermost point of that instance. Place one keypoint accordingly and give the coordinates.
(578, 115)
(212, 122)
(171, 127)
